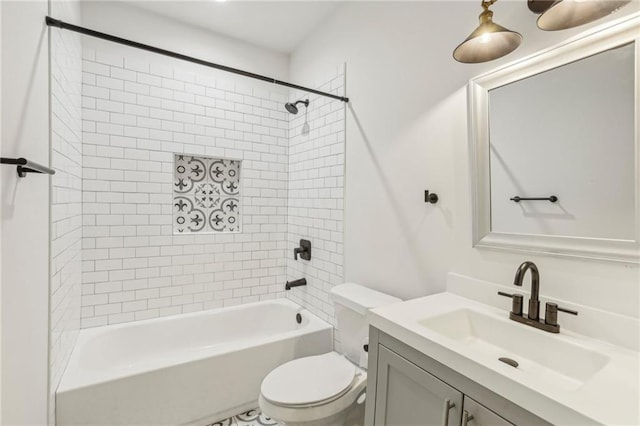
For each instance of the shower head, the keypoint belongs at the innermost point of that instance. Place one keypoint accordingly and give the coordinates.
(293, 109)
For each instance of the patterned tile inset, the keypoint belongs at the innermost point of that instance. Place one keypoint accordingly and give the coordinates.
(206, 194)
(250, 418)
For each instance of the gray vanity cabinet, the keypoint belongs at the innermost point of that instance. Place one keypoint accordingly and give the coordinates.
(408, 395)
(407, 388)
(475, 414)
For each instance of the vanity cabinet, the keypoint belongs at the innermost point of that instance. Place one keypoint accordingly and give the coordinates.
(476, 414)
(407, 388)
(408, 395)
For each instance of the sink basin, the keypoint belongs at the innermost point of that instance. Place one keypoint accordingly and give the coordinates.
(564, 378)
(544, 356)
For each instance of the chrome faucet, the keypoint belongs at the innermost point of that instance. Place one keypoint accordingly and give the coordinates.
(534, 301)
(550, 322)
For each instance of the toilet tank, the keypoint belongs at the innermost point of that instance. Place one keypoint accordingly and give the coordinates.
(352, 301)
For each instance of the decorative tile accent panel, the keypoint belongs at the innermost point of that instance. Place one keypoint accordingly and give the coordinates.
(206, 194)
(316, 196)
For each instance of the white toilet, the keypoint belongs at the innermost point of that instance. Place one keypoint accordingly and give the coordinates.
(327, 389)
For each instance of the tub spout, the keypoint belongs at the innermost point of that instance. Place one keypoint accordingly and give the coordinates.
(297, 283)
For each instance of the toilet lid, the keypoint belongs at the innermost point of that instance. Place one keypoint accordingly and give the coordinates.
(309, 380)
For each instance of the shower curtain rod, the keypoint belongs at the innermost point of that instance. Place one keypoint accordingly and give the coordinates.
(86, 31)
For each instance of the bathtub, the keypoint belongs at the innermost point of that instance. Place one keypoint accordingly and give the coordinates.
(189, 369)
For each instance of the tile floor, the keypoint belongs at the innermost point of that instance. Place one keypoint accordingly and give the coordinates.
(249, 418)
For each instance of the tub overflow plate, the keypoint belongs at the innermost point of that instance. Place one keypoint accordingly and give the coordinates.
(509, 361)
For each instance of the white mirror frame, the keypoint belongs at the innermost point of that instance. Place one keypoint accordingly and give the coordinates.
(597, 40)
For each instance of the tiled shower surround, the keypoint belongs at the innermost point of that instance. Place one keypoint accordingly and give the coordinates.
(136, 117)
(140, 120)
(316, 194)
(66, 198)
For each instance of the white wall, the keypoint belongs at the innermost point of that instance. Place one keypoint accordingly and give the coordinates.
(407, 132)
(143, 26)
(25, 214)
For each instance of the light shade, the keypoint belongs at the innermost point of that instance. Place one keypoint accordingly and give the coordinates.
(488, 42)
(565, 14)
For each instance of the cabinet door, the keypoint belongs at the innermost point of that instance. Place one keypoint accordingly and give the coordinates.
(474, 414)
(406, 395)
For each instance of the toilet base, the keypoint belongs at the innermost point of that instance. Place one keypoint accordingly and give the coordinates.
(337, 420)
(352, 416)
(356, 416)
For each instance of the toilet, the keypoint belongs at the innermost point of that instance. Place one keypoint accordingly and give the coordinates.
(327, 389)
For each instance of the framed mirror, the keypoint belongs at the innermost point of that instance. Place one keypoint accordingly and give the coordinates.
(555, 152)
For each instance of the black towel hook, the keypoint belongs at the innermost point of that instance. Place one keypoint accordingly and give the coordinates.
(430, 197)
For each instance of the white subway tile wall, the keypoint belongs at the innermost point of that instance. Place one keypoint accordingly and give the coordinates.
(136, 116)
(316, 195)
(66, 196)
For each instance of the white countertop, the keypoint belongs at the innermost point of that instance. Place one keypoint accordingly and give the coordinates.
(610, 396)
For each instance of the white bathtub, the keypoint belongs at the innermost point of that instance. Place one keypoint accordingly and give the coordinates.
(187, 369)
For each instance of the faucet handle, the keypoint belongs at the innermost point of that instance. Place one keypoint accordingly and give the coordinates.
(567, 311)
(304, 250)
(551, 313)
(516, 305)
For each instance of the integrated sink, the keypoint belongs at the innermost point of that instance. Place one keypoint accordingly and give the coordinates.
(539, 355)
(581, 375)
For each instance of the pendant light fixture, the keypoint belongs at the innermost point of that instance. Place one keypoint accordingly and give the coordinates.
(564, 14)
(487, 42)
(491, 41)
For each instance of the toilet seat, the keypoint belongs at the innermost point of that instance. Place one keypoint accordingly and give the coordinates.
(327, 412)
(309, 381)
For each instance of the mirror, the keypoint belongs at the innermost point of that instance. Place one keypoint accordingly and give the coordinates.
(566, 133)
(555, 153)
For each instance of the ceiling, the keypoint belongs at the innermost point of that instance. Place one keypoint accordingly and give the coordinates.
(276, 25)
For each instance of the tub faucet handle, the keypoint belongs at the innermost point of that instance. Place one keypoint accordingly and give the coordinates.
(304, 250)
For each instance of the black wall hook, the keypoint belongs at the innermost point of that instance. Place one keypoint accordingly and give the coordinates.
(430, 197)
